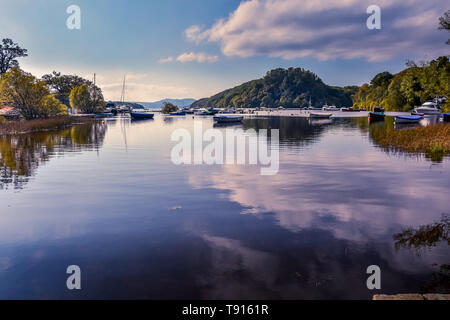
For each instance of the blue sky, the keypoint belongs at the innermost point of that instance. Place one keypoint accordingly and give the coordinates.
(180, 49)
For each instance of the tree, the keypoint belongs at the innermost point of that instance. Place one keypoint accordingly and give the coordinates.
(444, 23)
(87, 99)
(50, 106)
(411, 87)
(28, 95)
(62, 85)
(382, 79)
(9, 51)
(169, 107)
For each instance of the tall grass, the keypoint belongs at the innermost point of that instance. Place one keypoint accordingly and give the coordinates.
(25, 126)
(433, 140)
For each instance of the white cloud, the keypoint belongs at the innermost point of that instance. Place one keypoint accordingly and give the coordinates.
(165, 60)
(194, 33)
(199, 57)
(327, 29)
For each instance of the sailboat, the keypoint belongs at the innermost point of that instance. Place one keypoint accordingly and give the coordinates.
(123, 107)
(135, 115)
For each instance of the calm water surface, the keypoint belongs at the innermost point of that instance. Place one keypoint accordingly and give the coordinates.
(107, 197)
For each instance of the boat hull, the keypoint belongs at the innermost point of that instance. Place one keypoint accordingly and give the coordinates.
(141, 115)
(228, 119)
(408, 119)
(376, 116)
(318, 115)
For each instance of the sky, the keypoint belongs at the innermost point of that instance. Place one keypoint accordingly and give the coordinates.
(196, 48)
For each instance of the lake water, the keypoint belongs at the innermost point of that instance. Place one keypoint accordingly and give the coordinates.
(108, 198)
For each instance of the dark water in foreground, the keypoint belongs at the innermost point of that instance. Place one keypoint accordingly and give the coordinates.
(107, 197)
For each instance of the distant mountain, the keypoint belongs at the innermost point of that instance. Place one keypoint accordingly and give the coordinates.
(289, 88)
(181, 103)
(159, 104)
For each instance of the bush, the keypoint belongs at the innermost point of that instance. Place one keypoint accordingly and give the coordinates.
(169, 107)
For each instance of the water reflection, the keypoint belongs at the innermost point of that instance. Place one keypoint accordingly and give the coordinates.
(380, 131)
(296, 130)
(21, 155)
(308, 232)
(428, 237)
(338, 198)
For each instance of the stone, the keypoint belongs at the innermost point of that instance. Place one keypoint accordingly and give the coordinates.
(436, 296)
(413, 296)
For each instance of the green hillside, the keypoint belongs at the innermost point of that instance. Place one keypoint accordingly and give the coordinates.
(411, 87)
(289, 88)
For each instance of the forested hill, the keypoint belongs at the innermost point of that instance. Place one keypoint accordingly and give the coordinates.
(289, 88)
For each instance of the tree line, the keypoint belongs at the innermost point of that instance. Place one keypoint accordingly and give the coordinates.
(411, 87)
(48, 97)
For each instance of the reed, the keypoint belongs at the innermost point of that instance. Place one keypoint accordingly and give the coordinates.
(26, 126)
(433, 140)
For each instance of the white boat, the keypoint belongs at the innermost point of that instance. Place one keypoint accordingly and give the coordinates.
(228, 118)
(320, 115)
(428, 108)
(201, 112)
(330, 108)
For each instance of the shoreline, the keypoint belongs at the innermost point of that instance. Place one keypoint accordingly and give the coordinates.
(40, 125)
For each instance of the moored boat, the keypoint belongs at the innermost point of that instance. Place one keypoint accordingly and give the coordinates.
(417, 114)
(377, 114)
(180, 113)
(212, 112)
(141, 115)
(201, 112)
(228, 118)
(320, 115)
(408, 119)
(428, 108)
(349, 109)
(330, 108)
(103, 115)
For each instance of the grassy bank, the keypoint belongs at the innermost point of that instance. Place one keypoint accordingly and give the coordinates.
(433, 140)
(23, 126)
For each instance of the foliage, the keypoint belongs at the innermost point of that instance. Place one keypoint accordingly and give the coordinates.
(62, 85)
(290, 88)
(169, 107)
(444, 23)
(9, 52)
(52, 107)
(411, 87)
(28, 95)
(56, 123)
(87, 99)
(425, 236)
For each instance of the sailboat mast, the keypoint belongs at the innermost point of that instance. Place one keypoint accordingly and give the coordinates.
(122, 97)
